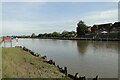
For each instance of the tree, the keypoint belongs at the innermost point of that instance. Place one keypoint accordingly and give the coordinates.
(54, 34)
(33, 35)
(82, 28)
(73, 32)
(45, 35)
(64, 33)
(40, 35)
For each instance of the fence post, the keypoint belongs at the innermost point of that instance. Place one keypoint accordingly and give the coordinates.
(65, 71)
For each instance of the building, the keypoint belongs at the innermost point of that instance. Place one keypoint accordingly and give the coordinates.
(115, 27)
(107, 30)
(89, 29)
(94, 28)
(101, 28)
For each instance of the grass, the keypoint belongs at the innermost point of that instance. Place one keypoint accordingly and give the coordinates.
(0, 62)
(0, 59)
(0, 40)
(20, 64)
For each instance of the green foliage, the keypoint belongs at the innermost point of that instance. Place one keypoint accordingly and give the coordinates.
(82, 28)
(33, 35)
(55, 34)
(40, 35)
(64, 33)
(73, 32)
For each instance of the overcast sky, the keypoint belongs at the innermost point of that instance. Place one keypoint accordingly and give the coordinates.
(24, 18)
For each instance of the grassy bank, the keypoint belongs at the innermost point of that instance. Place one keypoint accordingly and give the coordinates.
(0, 59)
(20, 64)
(1, 40)
(0, 62)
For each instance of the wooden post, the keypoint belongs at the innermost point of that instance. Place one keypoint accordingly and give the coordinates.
(65, 71)
(96, 78)
(77, 76)
(4, 43)
(11, 42)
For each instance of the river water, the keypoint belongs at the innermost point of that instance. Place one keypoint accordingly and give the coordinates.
(88, 58)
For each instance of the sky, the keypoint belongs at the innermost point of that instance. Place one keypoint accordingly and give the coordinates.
(25, 18)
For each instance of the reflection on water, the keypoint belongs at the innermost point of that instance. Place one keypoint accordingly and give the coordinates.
(97, 45)
(105, 44)
(88, 58)
(82, 46)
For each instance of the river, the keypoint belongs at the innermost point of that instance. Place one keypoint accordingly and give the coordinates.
(88, 58)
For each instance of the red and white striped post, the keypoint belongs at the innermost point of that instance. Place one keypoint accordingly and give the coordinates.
(16, 41)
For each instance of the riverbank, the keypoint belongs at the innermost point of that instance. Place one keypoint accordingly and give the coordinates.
(1, 40)
(20, 64)
(0, 60)
(91, 39)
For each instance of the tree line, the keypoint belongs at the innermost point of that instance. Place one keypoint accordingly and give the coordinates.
(55, 34)
(81, 30)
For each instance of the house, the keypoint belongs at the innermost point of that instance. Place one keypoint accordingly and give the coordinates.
(101, 28)
(89, 29)
(94, 28)
(115, 27)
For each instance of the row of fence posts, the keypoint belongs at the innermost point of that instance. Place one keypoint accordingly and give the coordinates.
(61, 69)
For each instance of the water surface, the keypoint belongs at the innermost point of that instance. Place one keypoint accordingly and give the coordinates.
(88, 58)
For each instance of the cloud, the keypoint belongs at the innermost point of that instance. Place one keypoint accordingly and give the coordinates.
(19, 28)
(99, 17)
(26, 18)
(11, 27)
(47, 26)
